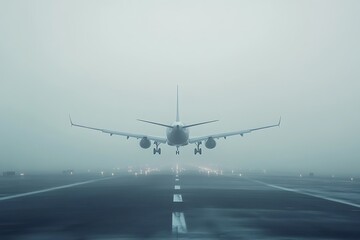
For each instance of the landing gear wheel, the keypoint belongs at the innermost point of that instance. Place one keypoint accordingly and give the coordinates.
(177, 152)
(157, 149)
(198, 149)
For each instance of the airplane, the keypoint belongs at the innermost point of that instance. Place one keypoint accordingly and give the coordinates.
(177, 134)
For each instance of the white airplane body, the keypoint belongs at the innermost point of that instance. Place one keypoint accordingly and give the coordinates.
(177, 134)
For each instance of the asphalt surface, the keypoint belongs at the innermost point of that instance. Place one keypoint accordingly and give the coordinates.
(207, 206)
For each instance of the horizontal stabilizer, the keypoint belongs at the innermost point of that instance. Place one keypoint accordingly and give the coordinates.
(196, 124)
(155, 123)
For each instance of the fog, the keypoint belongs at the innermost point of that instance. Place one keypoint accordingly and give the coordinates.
(245, 63)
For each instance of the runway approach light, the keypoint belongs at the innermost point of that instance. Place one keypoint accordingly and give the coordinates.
(22, 174)
(112, 174)
(240, 174)
(102, 172)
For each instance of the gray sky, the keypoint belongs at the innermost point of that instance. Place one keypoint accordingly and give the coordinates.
(246, 63)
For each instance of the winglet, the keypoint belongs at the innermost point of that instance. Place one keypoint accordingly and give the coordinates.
(279, 122)
(72, 124)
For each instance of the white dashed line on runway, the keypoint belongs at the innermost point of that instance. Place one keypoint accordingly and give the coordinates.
(178, 218)
(177, 198)
(178, 223)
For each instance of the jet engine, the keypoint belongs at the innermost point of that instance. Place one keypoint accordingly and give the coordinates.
(145, 143)
(210, 143)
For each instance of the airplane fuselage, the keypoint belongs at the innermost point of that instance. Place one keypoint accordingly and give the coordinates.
(177, 135)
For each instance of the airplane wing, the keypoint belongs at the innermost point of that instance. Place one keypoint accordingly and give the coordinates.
(228, 134)
(127, 135)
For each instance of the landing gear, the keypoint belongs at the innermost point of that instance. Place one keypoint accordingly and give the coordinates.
(177, 151)
(157, 149)
(198, 149)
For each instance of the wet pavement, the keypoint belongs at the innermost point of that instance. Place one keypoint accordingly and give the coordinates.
(203, 205)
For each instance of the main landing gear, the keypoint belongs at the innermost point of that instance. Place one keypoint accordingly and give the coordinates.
(157, 149)
(177, 151)
(198, 149)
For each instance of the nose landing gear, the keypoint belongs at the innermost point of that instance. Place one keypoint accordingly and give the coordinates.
(198, 149)
(177, 151)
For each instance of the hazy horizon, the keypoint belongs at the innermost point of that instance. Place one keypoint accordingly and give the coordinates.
(246, 63)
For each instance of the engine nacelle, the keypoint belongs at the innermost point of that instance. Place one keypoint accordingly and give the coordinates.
(145, 143)
(210, 143)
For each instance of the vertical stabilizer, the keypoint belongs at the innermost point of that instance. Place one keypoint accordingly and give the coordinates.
(177, 104)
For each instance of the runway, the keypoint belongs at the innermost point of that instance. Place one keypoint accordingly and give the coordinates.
(178, 203)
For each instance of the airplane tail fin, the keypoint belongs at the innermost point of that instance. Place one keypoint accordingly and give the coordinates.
(177, 116)
(177, 104)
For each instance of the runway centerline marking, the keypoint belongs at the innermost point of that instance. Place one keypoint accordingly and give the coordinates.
(307, 193)
(178, 223)
(177, 198)
(177, 187)
(51, 189)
